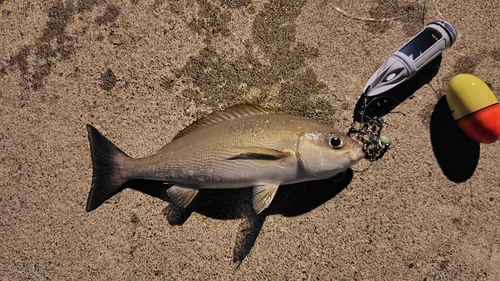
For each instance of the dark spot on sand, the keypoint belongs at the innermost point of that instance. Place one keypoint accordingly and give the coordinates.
(218, 81)
(59, 17)
(167, 83)
(444, 264)
(211, 20)
(496, 53)
(134, 219)
(86, 5)
(7, 13)
(176, 7)
(110, 14)
(108, 80)
(21, 59)
(274, 28)
(236, 3)
(50, 47)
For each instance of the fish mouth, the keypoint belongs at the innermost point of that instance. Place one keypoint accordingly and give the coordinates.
(356, 155)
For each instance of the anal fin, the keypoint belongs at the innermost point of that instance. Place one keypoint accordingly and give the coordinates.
(263, 195)
(182, 196)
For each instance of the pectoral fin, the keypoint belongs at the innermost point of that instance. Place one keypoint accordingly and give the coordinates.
(259, 153)
(181, 196)
(263, 196)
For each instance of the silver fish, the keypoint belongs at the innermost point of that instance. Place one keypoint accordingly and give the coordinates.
(242, 146)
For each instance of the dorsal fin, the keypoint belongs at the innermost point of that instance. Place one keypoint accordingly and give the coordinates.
(237, 111)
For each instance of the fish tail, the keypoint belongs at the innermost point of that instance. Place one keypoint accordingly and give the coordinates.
(107, 175)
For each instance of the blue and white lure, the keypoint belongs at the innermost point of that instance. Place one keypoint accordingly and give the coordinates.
(412, 57)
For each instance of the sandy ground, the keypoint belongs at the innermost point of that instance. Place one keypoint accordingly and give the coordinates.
(140, 71)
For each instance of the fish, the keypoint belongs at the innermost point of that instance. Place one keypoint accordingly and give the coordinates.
(244, 146)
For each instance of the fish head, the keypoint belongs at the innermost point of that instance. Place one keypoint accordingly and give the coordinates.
(323, 154)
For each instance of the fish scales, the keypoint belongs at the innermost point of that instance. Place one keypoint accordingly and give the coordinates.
(212, 147)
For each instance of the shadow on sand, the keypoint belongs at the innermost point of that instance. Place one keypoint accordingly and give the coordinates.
(456, 154)
(228, 204)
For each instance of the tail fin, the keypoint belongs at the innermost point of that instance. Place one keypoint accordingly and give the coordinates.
(107, 177)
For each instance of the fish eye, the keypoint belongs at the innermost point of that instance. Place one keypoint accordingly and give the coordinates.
(336, 141)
